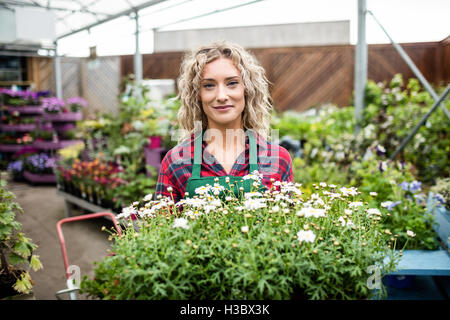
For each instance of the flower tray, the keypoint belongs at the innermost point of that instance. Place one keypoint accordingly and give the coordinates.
(63, 117)
(18, 127)
(26, 109)
(11, 147)
(39, 178)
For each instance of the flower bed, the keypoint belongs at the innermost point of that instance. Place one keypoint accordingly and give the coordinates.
(282, 244)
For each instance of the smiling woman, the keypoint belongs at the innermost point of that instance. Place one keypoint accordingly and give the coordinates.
(225, 119)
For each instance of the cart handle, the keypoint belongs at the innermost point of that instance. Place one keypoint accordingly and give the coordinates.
(78, 218)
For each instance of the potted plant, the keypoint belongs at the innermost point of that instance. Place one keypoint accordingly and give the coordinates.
(280, 244)
(56, 110)
(39, 168)
(16, 250)
(76, 104)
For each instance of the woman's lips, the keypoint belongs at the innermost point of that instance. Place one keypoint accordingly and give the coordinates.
(223, 108)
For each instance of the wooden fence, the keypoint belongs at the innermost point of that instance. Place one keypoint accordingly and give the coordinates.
(96, 80)
(304, 77)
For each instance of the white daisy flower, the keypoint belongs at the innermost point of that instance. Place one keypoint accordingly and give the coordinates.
(311, 212)
(306, 236)
(355, 204)
(352, 191)
(254, 204)
(148, 197)
(373, 211)
(180, 223)
(410, 233)
(202, 190)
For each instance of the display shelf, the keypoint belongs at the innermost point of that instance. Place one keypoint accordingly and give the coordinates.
(39, 178)
(51, 145)
(84, 204)
(12, 147)
(424, 263)
(25, 109)
(18, 127)
(63, 117)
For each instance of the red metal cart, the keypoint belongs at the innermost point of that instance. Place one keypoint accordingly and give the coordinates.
(71, 285)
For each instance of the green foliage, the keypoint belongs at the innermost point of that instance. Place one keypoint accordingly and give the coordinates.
(138, 185)
(229, 250)
(16, 250)
(334, 154)
(442, 189)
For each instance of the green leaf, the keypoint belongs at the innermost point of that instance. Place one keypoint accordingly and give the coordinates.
(15, 259)
(35, 263)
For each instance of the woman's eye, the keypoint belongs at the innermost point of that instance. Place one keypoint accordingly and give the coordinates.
(208, 85)
(232, 83)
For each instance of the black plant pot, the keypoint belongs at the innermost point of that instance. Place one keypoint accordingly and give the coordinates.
(7, 282)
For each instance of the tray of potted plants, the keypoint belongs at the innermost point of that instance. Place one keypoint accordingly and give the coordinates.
(39, 168)
(282, 243)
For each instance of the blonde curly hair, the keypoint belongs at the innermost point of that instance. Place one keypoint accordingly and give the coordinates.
(258, 103)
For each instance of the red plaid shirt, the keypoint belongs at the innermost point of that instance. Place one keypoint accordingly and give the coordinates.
(274, 161)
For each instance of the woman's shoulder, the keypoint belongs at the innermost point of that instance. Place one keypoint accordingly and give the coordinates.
(181, 153)
(273, 149)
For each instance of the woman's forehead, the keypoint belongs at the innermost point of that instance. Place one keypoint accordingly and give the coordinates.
(220, 67)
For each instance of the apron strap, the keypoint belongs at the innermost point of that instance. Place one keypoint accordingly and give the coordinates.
(198, 136)
(253, 152)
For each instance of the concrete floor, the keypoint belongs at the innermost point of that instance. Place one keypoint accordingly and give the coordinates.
(85, 241)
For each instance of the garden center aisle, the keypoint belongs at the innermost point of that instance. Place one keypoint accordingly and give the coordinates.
(85, 241)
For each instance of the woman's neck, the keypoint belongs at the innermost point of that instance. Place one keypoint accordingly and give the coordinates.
(227, 139)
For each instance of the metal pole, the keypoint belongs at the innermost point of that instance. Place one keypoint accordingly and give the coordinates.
(137, 54)
(422, 121)
(413, 67)
(57, 73)
(360, 65)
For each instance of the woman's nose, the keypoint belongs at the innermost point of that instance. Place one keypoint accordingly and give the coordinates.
(222, 94)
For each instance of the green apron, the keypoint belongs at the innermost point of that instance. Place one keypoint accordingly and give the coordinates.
(196, 181)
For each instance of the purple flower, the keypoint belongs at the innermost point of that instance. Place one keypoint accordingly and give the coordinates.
(404, 185)
(439, 198)
(382, 166)
(415, 186)
(420, 199)
(389, 204)
(53, 104)
(16, 166)
(381, 151)
(43, 93)
(41, 161)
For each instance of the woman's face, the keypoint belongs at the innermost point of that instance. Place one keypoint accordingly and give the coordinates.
(222, 94)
